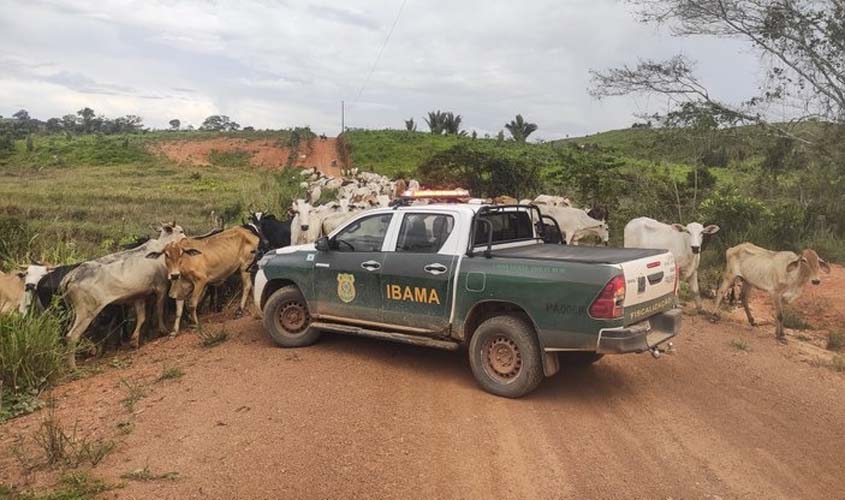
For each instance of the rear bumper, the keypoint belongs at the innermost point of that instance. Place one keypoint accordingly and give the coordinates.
(640, 337)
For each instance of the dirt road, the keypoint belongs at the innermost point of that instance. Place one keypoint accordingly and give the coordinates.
(357, 418)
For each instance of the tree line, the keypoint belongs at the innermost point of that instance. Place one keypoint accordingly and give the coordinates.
(87, 121)
(449, 123)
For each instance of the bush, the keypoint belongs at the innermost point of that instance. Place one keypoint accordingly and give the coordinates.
(740, 218)
(229, 159)
(484, 169)
(32, 353)
(274, 195)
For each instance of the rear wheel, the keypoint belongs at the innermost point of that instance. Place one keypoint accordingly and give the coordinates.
(287, 320)
(505, 356)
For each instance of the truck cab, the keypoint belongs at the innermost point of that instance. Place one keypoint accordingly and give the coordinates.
(480, 276)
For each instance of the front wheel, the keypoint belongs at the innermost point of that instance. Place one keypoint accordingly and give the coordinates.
(505, 356)
(287, 320)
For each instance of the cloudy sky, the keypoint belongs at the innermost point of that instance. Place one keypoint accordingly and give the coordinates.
(281, 63)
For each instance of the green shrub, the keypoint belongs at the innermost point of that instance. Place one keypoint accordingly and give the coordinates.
(793, 319)
(274, 194)
(483, 168)
(32, 353)
(236, 158)
(740, 218)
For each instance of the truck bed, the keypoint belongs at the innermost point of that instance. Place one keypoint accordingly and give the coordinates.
(583, 254)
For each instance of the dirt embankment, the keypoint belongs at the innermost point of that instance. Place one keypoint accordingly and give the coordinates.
(353, 417)
(263, 153)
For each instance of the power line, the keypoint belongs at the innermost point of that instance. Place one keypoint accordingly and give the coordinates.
(381, 50)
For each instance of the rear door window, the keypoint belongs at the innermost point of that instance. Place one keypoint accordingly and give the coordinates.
(424, 233)
(505, 226)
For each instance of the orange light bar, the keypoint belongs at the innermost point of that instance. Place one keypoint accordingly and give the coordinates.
(433, 193)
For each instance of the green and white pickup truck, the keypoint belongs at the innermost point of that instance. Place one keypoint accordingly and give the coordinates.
(413, 274)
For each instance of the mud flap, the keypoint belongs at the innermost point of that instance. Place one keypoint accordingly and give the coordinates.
(551, 365)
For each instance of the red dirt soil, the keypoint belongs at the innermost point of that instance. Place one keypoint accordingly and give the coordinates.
(358, 418)
(264, 153)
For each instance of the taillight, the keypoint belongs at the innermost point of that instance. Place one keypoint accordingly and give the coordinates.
(608, 305)
(677, 272)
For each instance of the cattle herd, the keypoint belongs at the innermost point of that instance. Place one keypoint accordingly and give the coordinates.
(183, 267)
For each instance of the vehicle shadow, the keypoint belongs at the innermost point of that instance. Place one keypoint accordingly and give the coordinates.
(404, 358)
(572, 383)
(583, 383)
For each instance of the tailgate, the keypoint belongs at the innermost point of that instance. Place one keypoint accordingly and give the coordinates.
(649, 286)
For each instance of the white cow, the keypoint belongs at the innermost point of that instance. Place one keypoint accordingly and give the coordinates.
(683, 241)
(555, 201)
(34, 274)
(126, 276)
(301, 222)
(781, 274)
(575, 223)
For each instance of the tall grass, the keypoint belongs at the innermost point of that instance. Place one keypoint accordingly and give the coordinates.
(32, 354)
(230, 159)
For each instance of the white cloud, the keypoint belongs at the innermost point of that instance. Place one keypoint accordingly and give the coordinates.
(278, 64)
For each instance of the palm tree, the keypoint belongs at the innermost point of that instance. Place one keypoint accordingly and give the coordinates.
(520, 129)
(435, 122)
(452, 123)
(410, 126)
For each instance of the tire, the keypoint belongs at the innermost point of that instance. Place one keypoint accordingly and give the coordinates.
(505, 356)
(298, 332)
(585, 358)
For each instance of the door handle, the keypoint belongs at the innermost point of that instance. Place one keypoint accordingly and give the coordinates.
(371, 265)
(435, 269)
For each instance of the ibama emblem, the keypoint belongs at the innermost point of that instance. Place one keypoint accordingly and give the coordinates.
(346, 287)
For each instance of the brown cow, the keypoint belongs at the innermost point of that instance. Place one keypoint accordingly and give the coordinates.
(11, 291)
(192, 264)
(781, 274)
(505, 200)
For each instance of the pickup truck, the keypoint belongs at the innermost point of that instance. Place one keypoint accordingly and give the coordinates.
(480, 276)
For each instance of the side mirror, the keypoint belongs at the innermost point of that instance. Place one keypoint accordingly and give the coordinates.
(322, 244)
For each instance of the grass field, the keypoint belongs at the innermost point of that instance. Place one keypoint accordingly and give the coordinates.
(85, 197)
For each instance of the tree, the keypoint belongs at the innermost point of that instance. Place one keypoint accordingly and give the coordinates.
(410, 126)
(219, 123)
(520, 129)
(484, 170)
(452, 124)
(435, 122)
(69, 123)
(88, 122)
(174, 124)
(22, 115)
(54, 125)
(801, 42)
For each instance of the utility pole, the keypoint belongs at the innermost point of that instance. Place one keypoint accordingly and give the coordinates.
(342, 117)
